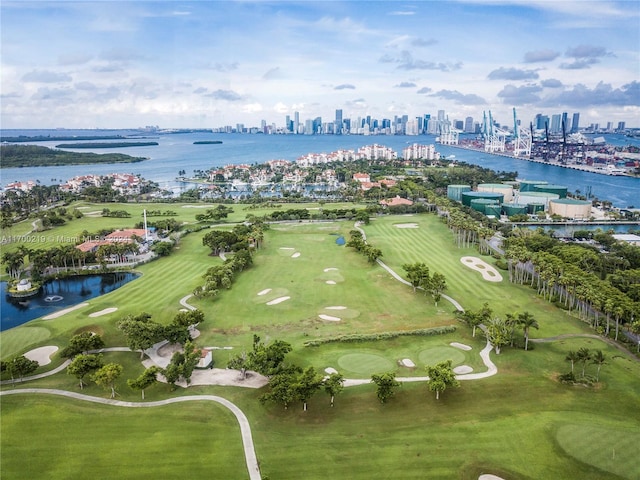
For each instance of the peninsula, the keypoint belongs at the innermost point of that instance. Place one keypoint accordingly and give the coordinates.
(18, 156)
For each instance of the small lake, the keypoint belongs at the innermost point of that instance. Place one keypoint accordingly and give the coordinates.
(58, 294)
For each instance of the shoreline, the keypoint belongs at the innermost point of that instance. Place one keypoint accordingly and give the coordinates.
(582, 168)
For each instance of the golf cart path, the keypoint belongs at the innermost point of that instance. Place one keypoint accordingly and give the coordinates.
(245, 428)
(183, 302)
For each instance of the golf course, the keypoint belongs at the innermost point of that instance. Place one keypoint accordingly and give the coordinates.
(304, 287)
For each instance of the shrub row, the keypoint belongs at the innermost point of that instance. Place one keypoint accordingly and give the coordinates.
(369, 337)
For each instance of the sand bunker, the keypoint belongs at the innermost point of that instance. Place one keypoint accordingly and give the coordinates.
(51, 316)
(42, 355)
(278, 300)
(462, 369)
(336, 308)
(264, 292)
(196, 206)
(330, 269)
(488, 476)
(103, 312)
(406, 362)
(330, 370)
(295, 255)
(461, 346)
(489, 273)
(406, 225)
(330, 282)
(329, 317)
(287, 248)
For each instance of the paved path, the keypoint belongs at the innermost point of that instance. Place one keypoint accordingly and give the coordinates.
(245, 429)
(183, 302)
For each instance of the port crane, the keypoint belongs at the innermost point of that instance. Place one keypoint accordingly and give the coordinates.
(522, 140)
(494, 138)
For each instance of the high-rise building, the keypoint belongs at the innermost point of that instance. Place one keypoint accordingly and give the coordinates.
(287, 124)
(338, 128)
(575, 123)
(564, 125)
(555, 123)
(296, 122)
(622, 126)
(468, 125)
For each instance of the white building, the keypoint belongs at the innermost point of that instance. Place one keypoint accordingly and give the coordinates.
(416, 151)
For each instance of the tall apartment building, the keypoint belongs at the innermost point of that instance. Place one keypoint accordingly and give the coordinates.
(338, 122)
(575, 123)
(468, 125)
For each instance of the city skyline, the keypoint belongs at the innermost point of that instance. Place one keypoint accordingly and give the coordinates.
(105, 64)
(422, 124)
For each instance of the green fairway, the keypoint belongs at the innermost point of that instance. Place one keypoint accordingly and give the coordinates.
(618, 455)
(76, 440)
(518, 424)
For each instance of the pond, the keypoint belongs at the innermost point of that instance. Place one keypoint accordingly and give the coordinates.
(58, 294)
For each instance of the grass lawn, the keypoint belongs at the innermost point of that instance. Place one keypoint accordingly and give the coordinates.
(519, 424)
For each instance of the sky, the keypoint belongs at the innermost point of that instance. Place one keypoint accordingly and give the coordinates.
(205, 64)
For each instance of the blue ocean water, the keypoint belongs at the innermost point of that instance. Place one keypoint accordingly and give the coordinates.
(177, 152)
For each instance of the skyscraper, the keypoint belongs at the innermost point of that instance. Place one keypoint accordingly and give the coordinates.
(338, 129)
(575, 123)
(564, 125)
(468, 125)
(296, 122)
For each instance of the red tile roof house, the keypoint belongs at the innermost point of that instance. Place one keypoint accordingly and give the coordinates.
(361, 177)
(117, 236)
(394, 202)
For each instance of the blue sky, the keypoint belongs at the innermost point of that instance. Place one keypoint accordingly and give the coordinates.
(116, 64)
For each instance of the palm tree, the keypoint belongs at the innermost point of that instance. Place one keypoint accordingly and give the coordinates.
(512, 321)
(527, 321)
(584, 355)
(572, 357)
(598, 359)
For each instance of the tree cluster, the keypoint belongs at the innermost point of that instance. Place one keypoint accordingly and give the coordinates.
(579, 278)
(214, 214)
(419, 276)
(142, 333)
(19, 366)
(583, 356)
(357, 241)
(287, 383)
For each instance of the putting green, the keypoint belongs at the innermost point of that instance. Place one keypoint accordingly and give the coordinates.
(365, 363)
(17, 339)
(431, 356)
(613, 450)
